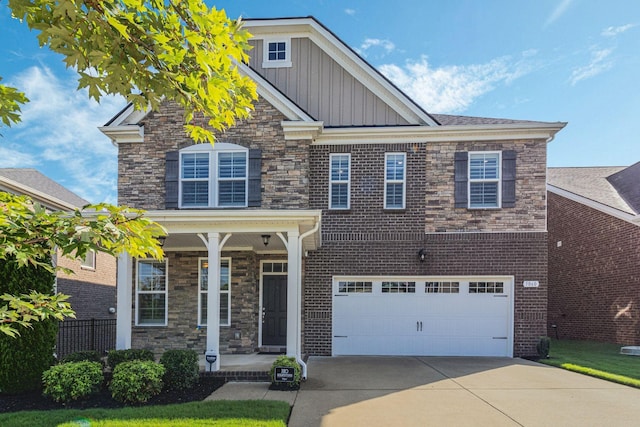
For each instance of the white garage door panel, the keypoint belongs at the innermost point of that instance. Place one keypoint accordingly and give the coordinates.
(419, 323)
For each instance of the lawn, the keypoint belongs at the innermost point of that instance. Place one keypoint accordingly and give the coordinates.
(252, 413)
(601, 360)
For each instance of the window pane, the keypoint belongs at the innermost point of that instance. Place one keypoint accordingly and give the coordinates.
(203, 308)
(195, 166)
(339, 196)
(483, 194)
(224, 309)
(151, 276)
(151, 308)
(224, 275)
(395, 167)
(394, 196)
(232, 165)
(483, 166)
(232, 193)
(224, 291)
(195, 193)
(339, 168)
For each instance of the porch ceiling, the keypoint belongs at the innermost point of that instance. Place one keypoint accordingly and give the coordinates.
(246, 228)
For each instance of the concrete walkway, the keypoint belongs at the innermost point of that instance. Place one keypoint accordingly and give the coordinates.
(446, 391)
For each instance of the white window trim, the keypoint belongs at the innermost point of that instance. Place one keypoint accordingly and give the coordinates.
(203, 294)
(498, 180)
(213, 196)
(395, 181)
(166, 293)
(266, 63)
(348, 181)
(91, 254)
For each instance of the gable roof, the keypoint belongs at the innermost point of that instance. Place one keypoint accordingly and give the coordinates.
(30, 182)
(347, 58)
(627, 183)
(591, 186)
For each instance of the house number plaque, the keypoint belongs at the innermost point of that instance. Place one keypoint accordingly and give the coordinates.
(530, 283)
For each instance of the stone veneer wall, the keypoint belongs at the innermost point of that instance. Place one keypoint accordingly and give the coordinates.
(285, 164)
(183, 306)
(594, 275)
(522, 255)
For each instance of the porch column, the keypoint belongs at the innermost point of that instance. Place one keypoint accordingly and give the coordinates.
(293, 290)
(124, 291)
(213, 300)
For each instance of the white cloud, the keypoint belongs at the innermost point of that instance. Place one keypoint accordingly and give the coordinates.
(559, 10)
(58, 134)
(386, 45)
(350, 12)
(453, 88)
(599, 63)
(614, 31)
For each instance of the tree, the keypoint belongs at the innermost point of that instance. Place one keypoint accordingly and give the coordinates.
(146, 51)
(30, 237)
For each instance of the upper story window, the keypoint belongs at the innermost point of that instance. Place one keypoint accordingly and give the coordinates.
(484, 179)
(339, 181)
(89, 261)
(213, 177)
(394, 180)
(276, 53)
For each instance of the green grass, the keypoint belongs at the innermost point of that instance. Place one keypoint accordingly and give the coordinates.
(252, 413)
(600, 360)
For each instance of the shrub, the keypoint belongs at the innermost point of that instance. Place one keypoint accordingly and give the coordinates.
(24, 358)
(543, 347)
(72, 381)
(286, 362)
(83, 356)
(115, 357)
(181, 368)
(136, 381)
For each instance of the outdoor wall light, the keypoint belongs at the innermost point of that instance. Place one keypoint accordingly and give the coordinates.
(265, 239)
(161, 240)
(422, 254)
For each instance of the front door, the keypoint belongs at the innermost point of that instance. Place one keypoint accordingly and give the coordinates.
(274, 310)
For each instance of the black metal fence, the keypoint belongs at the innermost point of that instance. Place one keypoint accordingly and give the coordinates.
(81, 335)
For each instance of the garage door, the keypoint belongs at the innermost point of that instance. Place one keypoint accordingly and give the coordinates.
(459, 316)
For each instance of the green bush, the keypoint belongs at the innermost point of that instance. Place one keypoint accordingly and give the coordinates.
(24, 358)
(83, 356)
(136, 381)
(181, 368)
(115, 357)
(286, 362)
(72, 381)
(543, 347)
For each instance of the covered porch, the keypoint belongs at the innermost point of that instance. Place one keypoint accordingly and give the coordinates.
(254, 257)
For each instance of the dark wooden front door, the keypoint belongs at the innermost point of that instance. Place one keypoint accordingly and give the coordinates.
(274, 310)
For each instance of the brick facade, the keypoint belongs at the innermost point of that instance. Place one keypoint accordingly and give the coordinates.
(363, 240)
(594, 281)
(522, 255)
(92, 291)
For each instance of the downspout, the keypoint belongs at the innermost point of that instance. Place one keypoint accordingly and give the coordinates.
(299, 304)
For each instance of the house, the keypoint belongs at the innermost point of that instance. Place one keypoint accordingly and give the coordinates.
(341, 219)
(92, 287)
(594, 253)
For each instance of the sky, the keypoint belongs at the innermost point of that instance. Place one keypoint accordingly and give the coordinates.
(575, 61)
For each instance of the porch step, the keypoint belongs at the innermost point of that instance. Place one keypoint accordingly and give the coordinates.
(246, 376)
(272, 349)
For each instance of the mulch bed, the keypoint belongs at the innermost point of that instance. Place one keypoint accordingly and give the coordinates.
(35, 401)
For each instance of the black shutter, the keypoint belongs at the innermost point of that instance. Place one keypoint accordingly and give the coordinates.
(171, 183)
(460, 177)
(255, 178)
(508, 179)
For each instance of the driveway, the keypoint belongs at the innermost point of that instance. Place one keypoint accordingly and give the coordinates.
(457, 391)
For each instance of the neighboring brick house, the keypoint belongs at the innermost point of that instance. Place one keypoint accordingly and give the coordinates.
(92, 287)
(342, 218)
(594, 253)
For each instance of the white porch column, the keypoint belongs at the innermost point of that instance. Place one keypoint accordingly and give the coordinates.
(124, 291)
(213, 300)
(293, 290)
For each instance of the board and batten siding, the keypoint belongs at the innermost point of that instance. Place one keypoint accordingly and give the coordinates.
(325, 90)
